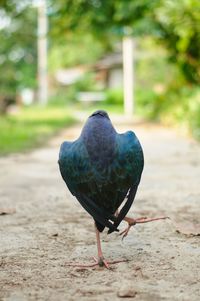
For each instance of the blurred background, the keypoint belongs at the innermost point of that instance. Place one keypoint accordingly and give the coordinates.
(60, 58)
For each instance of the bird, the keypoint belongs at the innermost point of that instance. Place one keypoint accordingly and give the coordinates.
(102, 169)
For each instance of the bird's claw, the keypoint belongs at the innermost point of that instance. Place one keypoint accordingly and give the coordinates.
(124, 233)
(140, 220)
(101, 262)
(131, 223)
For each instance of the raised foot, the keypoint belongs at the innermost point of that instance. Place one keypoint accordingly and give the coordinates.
(141, 220)
(97, 262)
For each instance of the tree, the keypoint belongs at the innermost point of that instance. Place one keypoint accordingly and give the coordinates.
(174, 23)
(179, 30)
(102, 18)
(18, 48)
(74, 50)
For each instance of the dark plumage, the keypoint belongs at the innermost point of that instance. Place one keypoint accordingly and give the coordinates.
(100, 168)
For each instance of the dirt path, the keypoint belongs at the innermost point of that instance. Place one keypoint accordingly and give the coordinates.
(50, 228)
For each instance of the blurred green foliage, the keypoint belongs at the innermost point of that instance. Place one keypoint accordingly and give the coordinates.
(171, 74)
(179, 30)
(102, 18)
(114, 97)
(81, 32)
(74, 50)
(31, 127)
(18, 47)
(174, 23)
(179, 105)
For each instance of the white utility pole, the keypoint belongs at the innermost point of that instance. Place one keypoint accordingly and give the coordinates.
(42, 53)
(128, 75)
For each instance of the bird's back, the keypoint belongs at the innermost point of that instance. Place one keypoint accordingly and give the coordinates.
(99, 138)
(101, 166)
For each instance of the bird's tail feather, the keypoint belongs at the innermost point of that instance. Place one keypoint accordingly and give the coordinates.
(125, 208)
(99, 214)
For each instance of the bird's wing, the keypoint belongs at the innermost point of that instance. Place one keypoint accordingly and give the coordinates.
(122, 175)
(130, 166)
(78, 174)
(130, 158)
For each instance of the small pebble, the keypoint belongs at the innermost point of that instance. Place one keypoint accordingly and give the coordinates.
(126, 291)
(55, 234)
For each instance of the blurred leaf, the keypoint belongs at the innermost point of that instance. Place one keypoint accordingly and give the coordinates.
(18, 47)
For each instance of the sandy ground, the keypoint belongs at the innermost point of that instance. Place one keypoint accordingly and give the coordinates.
(49, 228)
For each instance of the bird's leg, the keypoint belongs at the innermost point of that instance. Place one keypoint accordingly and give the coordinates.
(133, 221)
(100, 261)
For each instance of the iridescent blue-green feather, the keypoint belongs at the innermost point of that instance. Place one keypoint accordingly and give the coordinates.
(101, 168)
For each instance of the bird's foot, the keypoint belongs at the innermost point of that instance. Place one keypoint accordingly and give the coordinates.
(133, 221)
(101, 262)
(124, 233)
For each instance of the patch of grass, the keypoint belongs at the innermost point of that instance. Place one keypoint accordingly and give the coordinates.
(31, 127)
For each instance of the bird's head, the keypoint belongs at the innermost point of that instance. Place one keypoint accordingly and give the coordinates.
(100, 113)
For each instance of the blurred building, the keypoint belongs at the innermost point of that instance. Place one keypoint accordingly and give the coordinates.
(70, 76)
(108, 72)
